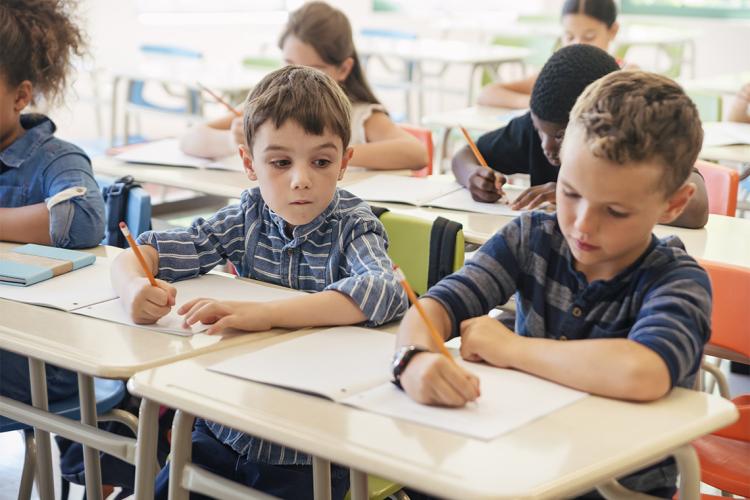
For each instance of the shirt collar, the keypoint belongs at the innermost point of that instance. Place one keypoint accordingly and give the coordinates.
(301, 233)
(38, 129)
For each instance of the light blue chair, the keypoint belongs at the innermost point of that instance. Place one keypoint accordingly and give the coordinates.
(137, 212)
(136, 99)
(109, 393)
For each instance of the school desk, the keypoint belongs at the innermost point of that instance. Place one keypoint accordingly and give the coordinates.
(726, 84)
(92, 348)
(442, 53)
(570, 451)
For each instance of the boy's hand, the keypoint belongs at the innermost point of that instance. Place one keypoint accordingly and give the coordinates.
(238, 131)
(149, 303)
(249, 316)
(433, 380)
(535, 196)
(486, 185)
(486, 339)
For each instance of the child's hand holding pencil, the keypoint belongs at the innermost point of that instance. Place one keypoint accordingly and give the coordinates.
(485, 184)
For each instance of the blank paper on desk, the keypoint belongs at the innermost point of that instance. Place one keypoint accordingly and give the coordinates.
(351, 366)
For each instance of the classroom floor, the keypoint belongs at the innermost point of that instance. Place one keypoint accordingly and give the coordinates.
(12, 449)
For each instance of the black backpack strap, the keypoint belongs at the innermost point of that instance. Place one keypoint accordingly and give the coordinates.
(442, 249)
(378, 211)
(116, 204)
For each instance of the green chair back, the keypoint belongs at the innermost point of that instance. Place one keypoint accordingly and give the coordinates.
(708, 104)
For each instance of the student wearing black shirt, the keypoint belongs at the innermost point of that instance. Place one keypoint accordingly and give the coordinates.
(530, 144)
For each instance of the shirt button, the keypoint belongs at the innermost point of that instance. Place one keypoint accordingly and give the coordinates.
(577, 312)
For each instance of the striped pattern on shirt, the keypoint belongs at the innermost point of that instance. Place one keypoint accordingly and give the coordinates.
(343, 249)
(662, 301)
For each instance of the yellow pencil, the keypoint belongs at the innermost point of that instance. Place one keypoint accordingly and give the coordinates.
(137, 252)
(430, 327)
(474, 149)
(219, 99)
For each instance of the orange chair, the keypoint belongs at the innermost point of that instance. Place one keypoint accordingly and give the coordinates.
(722, 184)
(425, 137)
(724, 454)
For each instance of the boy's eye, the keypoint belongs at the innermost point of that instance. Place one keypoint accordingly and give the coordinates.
(571, 194)
(617, 213)
(322, 163)
(280, 163)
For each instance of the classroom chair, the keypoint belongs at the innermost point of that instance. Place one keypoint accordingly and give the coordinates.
(124, 200)
(722, 184)
(135, 95)
(724, 454)
(425, 137)
(109, 393)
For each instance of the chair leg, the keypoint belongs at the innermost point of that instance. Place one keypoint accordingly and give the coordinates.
(29, 459)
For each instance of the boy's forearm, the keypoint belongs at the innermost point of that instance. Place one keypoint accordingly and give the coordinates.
(126, 266)
(413, 330)
(464, 164)
(616, 368)
(327, 308)
(29, 224)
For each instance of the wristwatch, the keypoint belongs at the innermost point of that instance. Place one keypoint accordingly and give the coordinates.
(401, 360)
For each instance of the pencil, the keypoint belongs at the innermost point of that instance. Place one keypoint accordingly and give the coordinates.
(474, 149)
(430, 327)
(219, 99)
(137, 252)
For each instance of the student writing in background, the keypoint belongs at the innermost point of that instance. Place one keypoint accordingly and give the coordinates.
(602, 304)
(320, 36)
(530, 143)
(591, 22)
(48, 194)
(296, 229)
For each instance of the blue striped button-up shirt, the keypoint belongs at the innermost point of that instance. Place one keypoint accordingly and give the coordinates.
(662, 301)
(343, 249)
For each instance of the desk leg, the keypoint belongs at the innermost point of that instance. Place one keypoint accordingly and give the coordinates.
(690, 472)
(181, 453)
(91, 463)
(321, 479)
(113, 130)
(358, 485)
(145, 457)
(38, 381)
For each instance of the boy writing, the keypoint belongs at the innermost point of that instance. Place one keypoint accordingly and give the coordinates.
(295, 229)
(602, 305)
(530, 144)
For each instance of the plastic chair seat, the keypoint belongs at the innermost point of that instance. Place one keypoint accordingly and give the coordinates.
(109, 393)
(725, 463)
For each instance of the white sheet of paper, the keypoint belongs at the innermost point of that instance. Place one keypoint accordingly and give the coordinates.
(334, 363)
(167, 152)
(401, 189)
(461, 200)
(725, 134)
(212, 286)
(82, 287)
(510, 399)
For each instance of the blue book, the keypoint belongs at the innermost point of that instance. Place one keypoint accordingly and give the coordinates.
(29, 264)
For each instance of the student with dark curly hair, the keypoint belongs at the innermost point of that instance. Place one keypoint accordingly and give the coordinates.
(530, 144)
(48, 194)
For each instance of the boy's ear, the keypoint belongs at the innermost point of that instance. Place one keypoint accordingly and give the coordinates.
(24, 96)
(613, 30)
(677, 203)
(345, 161)
(247, 162)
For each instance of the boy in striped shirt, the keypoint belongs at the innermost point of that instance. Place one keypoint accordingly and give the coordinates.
(602, 304)
(296, 229)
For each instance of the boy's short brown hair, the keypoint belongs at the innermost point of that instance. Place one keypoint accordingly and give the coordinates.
(306, 95)
(634, 116)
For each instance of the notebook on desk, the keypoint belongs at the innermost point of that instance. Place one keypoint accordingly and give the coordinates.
(167, 152)
(29, 264)
(430, 192)
(351, 365)
(725, 134)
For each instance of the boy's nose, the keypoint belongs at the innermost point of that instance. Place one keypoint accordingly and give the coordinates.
(586, 220)
(300, 177)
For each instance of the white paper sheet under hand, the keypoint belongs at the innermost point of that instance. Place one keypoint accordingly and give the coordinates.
(82, 287)
(725, 134)
(212, 286)
(461, 200)
(401, 189)
(509, 400)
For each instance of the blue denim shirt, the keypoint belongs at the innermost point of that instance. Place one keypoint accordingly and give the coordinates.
(38, 166)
